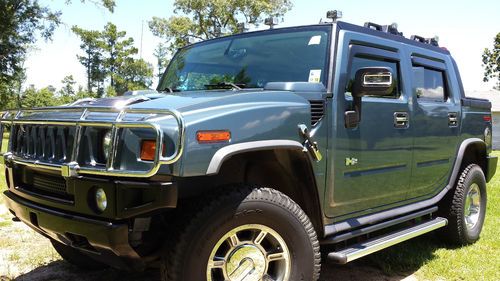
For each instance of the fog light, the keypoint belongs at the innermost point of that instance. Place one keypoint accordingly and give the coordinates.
(101, 201)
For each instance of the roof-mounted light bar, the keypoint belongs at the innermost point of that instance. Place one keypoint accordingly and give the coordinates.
(391, 29)
(431, 41)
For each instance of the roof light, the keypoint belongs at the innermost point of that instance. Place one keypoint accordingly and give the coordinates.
(271, 21)
(334, 15)
(242, 27)
(213, 136)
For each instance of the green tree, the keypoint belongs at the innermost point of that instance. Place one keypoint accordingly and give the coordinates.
(116, 49)
(108, 4)
(22, 22)
(67, 93)
(161, 54)
(134, 75)
(491, 62)
(93, 60)
(38, 98)
(206, 19)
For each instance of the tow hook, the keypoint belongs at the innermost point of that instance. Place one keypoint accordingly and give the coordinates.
(309, 143)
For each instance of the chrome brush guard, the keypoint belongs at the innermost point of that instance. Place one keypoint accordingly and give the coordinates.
(72, 168)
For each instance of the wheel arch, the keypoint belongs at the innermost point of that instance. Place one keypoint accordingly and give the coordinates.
(281, 165)
(471, 151)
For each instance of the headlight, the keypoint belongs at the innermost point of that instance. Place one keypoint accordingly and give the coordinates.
(101, 201)
(106, 144)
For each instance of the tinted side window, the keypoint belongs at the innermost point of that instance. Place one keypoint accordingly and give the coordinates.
(429, 84)
(361, 62)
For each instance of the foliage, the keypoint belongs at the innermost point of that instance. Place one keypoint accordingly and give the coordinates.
(108, 4)
(92, 60)
(206, 19)
(161, 55)
(491, 62)
(116, 49)
(22, 22)
(67, 94)
(38, 98)
(134, 75)
(108, 57)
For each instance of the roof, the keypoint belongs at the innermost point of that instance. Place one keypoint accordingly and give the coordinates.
(402, 39)
(492, 95)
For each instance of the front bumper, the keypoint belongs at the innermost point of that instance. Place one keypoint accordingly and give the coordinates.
(103, 240)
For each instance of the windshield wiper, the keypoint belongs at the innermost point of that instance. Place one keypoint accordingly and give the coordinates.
(170, 90)
(225, 85)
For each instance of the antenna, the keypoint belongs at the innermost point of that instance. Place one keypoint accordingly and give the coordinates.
(142, 35)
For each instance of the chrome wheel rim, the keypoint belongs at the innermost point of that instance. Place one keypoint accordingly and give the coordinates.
(251, 252)
(472, 206)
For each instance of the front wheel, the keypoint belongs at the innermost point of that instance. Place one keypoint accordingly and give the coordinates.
(466, 209)
(248, 234)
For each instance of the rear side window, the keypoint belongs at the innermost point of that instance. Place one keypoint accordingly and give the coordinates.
(429, 84)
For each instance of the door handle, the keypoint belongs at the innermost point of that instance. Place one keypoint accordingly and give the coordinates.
(401, 120)
(452, 119)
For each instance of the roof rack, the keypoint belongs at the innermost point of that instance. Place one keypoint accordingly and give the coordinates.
(430, 41)
(392, 28)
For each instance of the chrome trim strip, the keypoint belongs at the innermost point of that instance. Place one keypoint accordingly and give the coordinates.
(226, 152)
(72, 168)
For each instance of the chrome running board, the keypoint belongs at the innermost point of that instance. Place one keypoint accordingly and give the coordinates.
(365, 248)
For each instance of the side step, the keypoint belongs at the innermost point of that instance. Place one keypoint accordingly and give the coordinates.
(365, 248)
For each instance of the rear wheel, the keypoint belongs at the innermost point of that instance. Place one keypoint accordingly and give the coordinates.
(466, 209)
(249, 234)
(75, 257)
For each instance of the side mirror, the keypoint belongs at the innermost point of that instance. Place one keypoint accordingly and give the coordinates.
(373, 81)
(368, 81)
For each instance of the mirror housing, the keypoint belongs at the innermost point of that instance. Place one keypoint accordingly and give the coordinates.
(368, 81)
(373, 81)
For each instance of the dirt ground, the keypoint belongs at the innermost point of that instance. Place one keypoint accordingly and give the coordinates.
(26, 255)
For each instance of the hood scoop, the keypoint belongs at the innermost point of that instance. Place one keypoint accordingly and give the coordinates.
(116, 102)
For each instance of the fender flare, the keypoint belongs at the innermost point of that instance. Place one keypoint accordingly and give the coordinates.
(460, 155)
(226, 152)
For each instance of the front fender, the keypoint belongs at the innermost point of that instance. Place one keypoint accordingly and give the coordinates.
(256, 121)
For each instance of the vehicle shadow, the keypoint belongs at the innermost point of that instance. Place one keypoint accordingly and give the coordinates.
(399, 262)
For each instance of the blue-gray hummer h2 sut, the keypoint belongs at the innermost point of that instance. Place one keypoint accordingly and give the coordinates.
(256, 151)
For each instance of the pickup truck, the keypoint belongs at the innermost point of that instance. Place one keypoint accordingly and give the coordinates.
(258, 154)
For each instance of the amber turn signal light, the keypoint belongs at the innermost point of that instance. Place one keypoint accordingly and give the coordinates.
(148, 150)
(213, 136)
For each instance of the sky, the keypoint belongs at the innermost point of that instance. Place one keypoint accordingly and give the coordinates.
(465, 28)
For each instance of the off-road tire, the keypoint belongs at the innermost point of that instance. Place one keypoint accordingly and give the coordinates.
(76, 258)
(453, 208)
(243, 205)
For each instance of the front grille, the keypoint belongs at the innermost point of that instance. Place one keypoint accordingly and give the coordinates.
(49, 144)
(46, 186)
(49, 184)
(317, 111)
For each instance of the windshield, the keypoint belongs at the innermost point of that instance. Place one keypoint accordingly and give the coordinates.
(251, 60)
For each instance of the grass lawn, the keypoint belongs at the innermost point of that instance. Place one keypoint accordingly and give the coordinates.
(22, 251)
(430, 259)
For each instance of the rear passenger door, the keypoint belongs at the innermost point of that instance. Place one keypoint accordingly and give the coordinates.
(436, 122)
